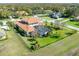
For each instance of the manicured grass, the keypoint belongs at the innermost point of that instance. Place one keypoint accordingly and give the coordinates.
(73, 23)
(67, 47)
(45, 41)
(55, 36)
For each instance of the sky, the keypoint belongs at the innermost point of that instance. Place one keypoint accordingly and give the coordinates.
(39, 1)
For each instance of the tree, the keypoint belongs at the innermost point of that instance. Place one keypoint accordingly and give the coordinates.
(69, 11)
(29, 11)
(5, 14)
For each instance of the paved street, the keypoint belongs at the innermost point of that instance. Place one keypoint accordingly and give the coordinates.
(72, 27)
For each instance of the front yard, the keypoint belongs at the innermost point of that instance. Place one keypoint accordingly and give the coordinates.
(56, 35)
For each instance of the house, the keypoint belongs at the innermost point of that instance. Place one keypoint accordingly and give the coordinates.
(74, 18)
(55, 15)
(77, 17)
(28, 26)
(2, 34)
(42, 31)
(4, 26)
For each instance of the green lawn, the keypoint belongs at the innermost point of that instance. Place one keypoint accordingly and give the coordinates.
(67, 47)
(73, 23)
(55, 36)
(46, 41)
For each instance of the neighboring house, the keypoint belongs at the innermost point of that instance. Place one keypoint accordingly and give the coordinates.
(74, 18)
(11, 18)
(2, 34)
(55, 15)
(5, 26)
(28, 26)
(77, 18)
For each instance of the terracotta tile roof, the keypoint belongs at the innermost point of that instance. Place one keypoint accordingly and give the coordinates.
(25, 27)
(32, 20)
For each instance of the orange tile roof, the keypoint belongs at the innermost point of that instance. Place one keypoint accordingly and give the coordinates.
(25, 27)
(32, 20)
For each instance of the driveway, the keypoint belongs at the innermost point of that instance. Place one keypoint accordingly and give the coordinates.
(69, 26)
